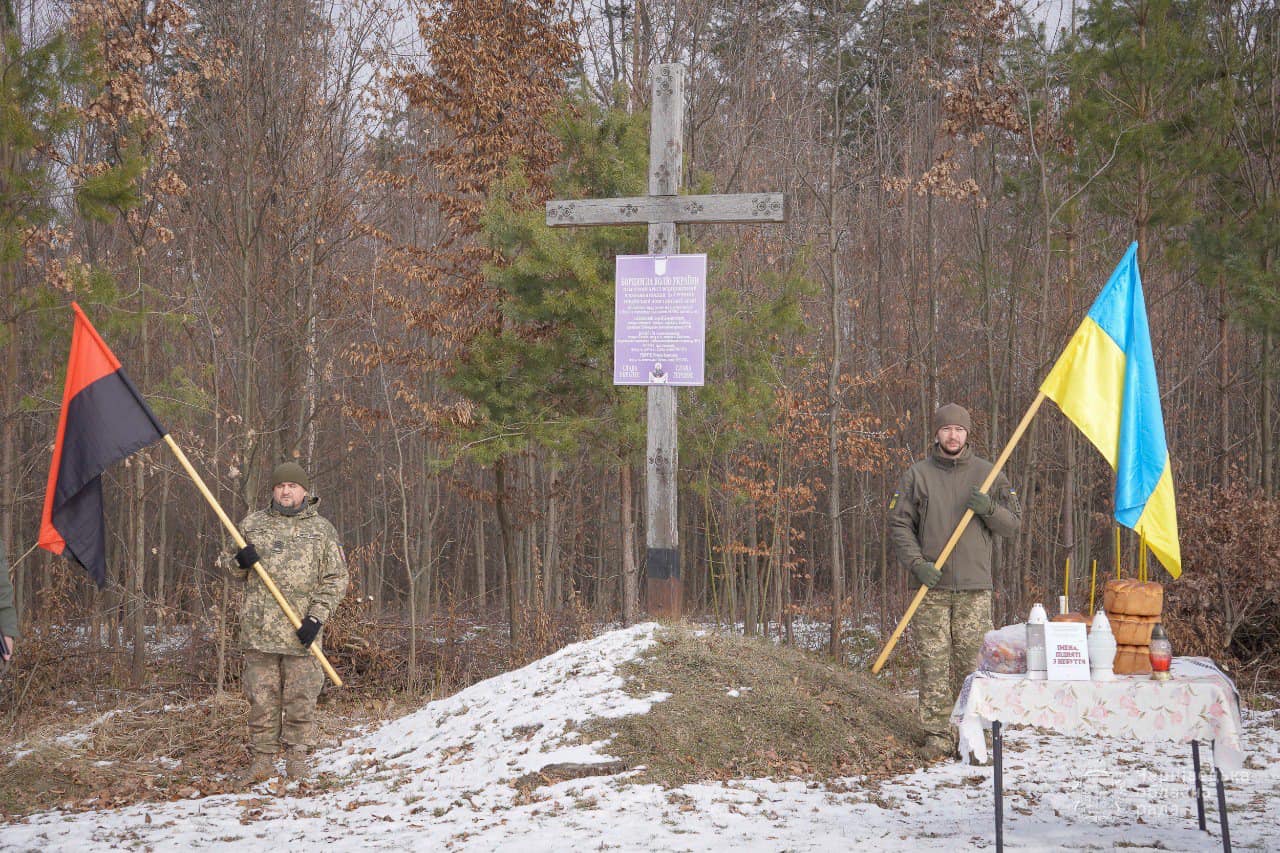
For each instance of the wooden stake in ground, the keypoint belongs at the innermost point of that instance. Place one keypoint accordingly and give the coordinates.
(662, 209)
(955, 537)
(289, 612)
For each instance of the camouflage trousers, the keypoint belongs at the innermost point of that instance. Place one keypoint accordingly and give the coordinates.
(282, 692)
(949, 627)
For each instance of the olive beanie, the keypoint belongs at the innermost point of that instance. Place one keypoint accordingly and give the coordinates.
(289, 472)
(951, 414)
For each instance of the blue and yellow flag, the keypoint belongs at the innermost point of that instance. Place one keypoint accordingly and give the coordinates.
(1105, 382)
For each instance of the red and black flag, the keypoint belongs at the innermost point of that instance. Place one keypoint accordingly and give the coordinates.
(103, 420)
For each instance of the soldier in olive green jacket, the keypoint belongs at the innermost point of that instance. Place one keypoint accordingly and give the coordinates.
(300, 551)
(924, 512)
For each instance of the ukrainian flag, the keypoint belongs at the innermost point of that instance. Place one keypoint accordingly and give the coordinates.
(1105, 382)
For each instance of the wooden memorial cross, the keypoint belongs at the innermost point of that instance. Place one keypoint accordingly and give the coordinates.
(662, 209)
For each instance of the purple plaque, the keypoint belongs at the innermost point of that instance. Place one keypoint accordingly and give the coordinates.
(660, 314)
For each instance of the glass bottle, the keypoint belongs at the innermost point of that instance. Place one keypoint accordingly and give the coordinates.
(1161, 653)
(1037, 659)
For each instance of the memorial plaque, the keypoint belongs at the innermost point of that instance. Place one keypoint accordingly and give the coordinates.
(660, 315)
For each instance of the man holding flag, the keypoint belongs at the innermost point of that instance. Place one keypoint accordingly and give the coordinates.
(1105, 383)
(281, 679)
(931, 499)
(102, 421)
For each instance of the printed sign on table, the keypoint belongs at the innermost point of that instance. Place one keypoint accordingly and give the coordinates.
(1067, 651)
(660, 313)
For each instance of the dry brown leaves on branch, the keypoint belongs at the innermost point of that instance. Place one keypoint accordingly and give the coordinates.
(1226, 604)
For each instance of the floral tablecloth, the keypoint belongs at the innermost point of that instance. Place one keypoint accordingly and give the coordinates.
(1199, 703)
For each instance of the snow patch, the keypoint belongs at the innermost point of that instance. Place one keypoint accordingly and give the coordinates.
(442, 779)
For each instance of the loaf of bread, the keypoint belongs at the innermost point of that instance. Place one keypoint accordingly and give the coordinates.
(1129, 597)
(1132, 660)
(1074, 617)
(1132, 630)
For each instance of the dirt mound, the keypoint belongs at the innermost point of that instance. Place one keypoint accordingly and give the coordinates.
(743, 707)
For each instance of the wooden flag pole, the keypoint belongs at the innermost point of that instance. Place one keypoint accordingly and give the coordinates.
(1093, 586)
(1117, 552)
(257, 567)
(964, 522)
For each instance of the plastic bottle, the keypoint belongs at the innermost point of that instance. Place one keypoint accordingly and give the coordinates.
(1037, 660)
(1102, 649)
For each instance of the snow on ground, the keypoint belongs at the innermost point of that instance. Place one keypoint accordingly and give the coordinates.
(442, 779)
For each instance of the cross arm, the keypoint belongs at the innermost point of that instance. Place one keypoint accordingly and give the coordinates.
(738, 207)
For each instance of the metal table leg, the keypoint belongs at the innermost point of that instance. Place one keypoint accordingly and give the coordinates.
(1195, 760)
(1222, 808)
(997, 761)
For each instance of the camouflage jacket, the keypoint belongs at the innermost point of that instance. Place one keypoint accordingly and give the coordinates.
(302, 556)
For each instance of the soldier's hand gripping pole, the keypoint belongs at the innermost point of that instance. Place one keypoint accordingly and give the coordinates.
(257, 567)
(955, 536)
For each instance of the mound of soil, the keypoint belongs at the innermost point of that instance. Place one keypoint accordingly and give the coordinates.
(747, 708)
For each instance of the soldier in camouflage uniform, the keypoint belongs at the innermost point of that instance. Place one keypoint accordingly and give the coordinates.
(299, 550)
(924, 512)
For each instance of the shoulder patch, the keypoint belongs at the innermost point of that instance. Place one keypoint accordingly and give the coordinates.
(893, 501)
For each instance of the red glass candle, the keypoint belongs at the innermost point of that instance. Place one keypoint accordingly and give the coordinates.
(1161, 650)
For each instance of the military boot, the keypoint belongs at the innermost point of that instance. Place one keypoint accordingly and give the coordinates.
(260, 769)
(297, 765)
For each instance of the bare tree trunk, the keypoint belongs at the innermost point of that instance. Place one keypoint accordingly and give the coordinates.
(630, 566)
(729, 535)
(551, 550)
(752, 624)
(410, 570)
(481, 591)
(784, 587)
(135, 604)
(836, 641)
(1268, 404)
(8, 444)
(1224, 383)
(225, 602)
(162, 550)
(509, 556)
(11, 34)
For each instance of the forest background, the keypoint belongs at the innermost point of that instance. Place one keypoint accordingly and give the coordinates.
(314, 230)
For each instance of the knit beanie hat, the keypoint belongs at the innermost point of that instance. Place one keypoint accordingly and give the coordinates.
(289, 472)
(951, 414)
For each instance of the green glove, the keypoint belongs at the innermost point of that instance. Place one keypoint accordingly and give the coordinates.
(927, 573)
(982, 504)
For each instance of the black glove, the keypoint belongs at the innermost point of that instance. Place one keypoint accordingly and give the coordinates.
(982, 504)
(247, 556)
(927, 573)
(307, 633)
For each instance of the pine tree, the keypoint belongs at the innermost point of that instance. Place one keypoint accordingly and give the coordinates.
(1236, 238)
(1137, 70)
